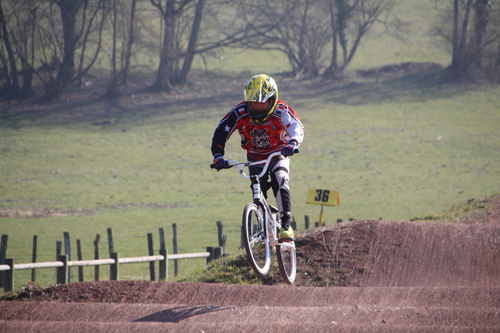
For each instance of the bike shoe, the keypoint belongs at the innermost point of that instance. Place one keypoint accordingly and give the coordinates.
(286, 233)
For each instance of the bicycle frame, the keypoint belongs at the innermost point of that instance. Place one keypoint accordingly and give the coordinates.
(270, 217)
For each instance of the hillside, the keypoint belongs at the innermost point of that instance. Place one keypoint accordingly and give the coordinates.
(438, 273)
(396, 276)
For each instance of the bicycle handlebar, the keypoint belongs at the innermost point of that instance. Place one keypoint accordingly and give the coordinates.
(266, 163)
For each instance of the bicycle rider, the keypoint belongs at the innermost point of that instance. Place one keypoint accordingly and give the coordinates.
(266, 125)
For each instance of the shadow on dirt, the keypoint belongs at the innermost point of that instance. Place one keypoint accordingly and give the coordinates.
(176, 315)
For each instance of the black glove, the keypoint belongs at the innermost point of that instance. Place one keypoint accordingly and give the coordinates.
(220, 162)
(288, 150)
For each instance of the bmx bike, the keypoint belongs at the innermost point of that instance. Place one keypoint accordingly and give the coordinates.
(261, 226)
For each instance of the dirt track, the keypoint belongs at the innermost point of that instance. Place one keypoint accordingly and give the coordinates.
(237, 308)
(395, 277)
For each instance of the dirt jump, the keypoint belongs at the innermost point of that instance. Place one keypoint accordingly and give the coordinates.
(357, 276)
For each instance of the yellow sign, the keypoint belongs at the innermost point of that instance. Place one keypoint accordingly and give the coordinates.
(316, 196)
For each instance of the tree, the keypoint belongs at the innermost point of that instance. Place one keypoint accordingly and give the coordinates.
(12, 83)
(21, 27)
(66, 43)
(351, 21)
(304, 29)
(183, 23)
(191, 48)
(297, 28)
(170, 10)
(112, 86)
(129, 43)
(473, 37)
(90, 40)
(122, 23)
(69, 13)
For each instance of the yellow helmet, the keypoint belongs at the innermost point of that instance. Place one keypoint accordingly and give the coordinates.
(261, 88)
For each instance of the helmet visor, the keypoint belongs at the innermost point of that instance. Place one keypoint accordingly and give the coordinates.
(259, 107)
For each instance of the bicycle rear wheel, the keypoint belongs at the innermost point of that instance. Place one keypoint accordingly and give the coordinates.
(287, 261)
(256, 243)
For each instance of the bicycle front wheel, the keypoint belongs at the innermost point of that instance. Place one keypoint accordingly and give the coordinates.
(256, 243)
(287, 261)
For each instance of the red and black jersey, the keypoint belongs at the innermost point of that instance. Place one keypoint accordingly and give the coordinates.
(260, 140)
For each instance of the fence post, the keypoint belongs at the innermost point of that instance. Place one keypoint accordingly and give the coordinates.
(33, 258)
(114, 269)
(222, 238)
(9, 276)
(163, 251)
(79, 256)
(62, 272)
(163, 265)
(151, 253)
(58, 254)
(242, 240)
(306, 221)
(218, 252)
(67, 251)
(58, 249)
(294, 223)
(210, 250)
(162, 238)
(176, 262)
(96, 256)
(3, 255)
(110, 242)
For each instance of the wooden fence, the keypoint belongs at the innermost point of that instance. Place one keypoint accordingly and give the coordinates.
(63, 262)
(63, 265)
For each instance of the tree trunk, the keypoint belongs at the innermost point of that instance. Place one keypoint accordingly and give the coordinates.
(331, 70)
(69, 10)
(12, 81)
(86, 36)
(130, 42)
(454, 51)
(459, 56)
(162, 82)
(497, 65)
(188, 61)
(305, 66)
(112, 85)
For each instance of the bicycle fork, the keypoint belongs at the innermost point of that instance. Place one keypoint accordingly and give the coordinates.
(270, 224)
(257, 199)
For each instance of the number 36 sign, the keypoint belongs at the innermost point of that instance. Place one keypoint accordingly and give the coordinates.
(316, 196)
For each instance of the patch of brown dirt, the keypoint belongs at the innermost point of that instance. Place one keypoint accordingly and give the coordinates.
(147, 306)
(35, 212)
(388, 253)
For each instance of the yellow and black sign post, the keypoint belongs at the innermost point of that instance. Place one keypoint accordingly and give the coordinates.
(316, 196)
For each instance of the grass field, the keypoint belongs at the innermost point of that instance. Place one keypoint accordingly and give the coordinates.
(396, 149)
